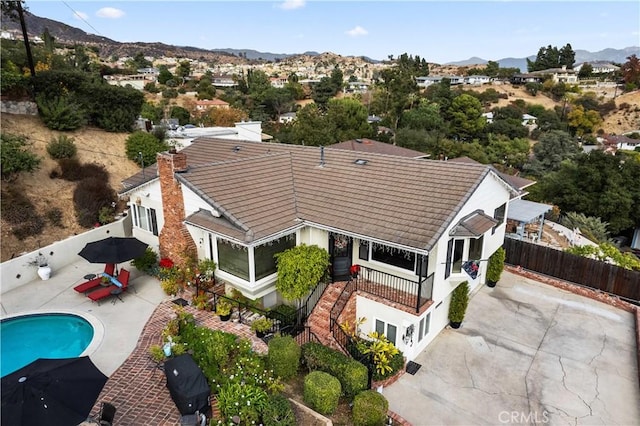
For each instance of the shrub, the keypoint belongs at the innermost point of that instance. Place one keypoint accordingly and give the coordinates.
(54, 216)
(146, 263)
(322, 392)
(70, 169)
(495, 266)
(370, 409)
(62, 147)
(20, 212)
(145, 143)
(285, 313)
(459, 302)
(16, 157)
(245, 401)
(284, 356)
(89, 197)
(396, 363)
(352, 374)
(61, 112)
(278, 412)
(106, 215)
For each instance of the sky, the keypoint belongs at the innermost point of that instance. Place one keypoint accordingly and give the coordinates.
(439, 31)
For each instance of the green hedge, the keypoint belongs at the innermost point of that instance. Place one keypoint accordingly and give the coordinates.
(352, 374)
(322, 392)
(284, 356)
(370, 409)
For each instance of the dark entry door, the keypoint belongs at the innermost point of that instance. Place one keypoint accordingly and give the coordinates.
(340, 249)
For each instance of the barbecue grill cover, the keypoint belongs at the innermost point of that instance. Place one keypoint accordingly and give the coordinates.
(187, 384)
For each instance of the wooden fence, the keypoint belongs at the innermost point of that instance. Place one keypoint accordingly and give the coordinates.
(576, 269)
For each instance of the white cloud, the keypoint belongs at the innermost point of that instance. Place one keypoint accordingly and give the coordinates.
(292, 4)
(110, 12)
(357, 31)
(81, 16)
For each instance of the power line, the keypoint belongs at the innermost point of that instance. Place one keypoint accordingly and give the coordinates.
(79, 16)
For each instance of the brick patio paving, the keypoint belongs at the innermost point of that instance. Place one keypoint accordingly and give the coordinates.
(138, 389)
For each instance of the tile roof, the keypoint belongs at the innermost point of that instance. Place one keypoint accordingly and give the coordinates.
(473, 225)
(264, 188)
(370, 145)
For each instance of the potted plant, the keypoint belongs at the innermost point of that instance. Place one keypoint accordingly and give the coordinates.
(41, 262)
(495, 266)
(261, 326)
(458, 305)
(223, 309)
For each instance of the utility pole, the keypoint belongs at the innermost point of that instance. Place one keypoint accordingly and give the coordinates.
(25, 36)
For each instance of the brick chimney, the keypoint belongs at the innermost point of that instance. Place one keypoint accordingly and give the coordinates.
(175, 241)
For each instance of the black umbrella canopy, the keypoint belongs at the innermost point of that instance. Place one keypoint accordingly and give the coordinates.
(54, 392)
(113, 250)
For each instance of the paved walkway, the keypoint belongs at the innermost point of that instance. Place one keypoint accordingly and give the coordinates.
(527, 353)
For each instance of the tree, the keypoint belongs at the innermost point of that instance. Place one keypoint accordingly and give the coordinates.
(16, 157)
(583, 122)
(224, 117)
(566, 56)
(425, 117)
(313, 128)
(585, 70)
(336, 79)
(300, 269)
(183, 70)
(550, 57)
(349, 119)
(164, 74)
(551, 150)
(144, 143)
(137, 62)
(466, 117)
(322, 91)
(631, 71)
(399, 85)
(181, 114)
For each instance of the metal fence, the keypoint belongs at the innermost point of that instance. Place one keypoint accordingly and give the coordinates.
(573, 268)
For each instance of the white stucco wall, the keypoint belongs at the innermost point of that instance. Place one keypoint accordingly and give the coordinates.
(148, 196)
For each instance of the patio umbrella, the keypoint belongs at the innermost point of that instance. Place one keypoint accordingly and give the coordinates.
(51, 392)
(113, 250)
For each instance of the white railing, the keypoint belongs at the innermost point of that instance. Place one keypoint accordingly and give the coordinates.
(17, 271)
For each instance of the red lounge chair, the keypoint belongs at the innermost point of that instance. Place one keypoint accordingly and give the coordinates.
(112, 290)
(94, 283)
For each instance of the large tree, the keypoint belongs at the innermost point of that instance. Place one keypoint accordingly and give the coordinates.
(349, 119)
(551, 150)
(631, 71)
(312, 127)
(550, 57)
(467, 121)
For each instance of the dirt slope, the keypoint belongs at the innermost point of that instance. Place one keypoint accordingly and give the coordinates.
(94, 146)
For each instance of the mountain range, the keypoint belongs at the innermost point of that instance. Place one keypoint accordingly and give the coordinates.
(67, 34)
(610, 55)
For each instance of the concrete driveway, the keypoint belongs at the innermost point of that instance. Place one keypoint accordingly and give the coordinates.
(527, 353)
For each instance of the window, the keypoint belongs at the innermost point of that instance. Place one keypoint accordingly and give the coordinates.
(455, 250)
(392, 256)
(423, 329)
(363, 250)
(263, 255)
(475, 248)
(233, 259)
(389, 330)
(498, 215)
(145, 218)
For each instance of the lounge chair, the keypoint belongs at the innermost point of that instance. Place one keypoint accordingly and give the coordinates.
(112, 290)
(95, 282)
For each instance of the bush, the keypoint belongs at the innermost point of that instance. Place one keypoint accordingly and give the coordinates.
(278, 412)
(147, 263)
(20, 212)
(16, 157)
(370, 409)
(285, 313)
(284, 356)
(459, 302)
(352, 374)
(145, 143)
(61, 112)
(72, 170)
(62, 147)
(495, 265)
(396, 363)
(89, 197)
(54, 216)
(322, 392)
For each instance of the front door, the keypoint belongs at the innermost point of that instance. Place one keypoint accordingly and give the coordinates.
(340, 249)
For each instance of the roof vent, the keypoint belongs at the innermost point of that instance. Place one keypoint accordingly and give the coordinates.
(358, 140)
(236, 148)
(361, 162)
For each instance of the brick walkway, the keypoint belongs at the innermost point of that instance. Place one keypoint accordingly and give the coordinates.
(138, 389)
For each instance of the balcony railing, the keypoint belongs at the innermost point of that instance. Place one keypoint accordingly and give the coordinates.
(414, 294)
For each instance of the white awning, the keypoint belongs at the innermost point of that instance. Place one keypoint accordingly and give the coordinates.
(526, 211)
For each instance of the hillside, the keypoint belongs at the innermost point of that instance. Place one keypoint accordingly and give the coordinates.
(94, 146)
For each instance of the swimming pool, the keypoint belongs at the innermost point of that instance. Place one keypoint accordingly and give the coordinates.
(25, 338)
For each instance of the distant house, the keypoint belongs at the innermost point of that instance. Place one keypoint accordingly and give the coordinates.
(373, 119)
(477, 79)
(206, 104)
(529, 120)
(377, 147)
(278, 82)
(223, 81)
(559, 75)
(526, 78)
(488, 116)
(622, 142)
(287, 117)
(599, 67)
(428, 81)
(152, 71)
(356, 87)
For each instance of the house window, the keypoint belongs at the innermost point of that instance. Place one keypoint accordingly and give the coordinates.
(233, 259)
(423, 329)
(392, 256)
(389, 330)
(363, 250)
(498, 215)
(264, 255)
(475, 248)
(455, 250)
(145, 218)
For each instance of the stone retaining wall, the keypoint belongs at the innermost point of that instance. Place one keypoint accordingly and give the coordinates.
(19, 107)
